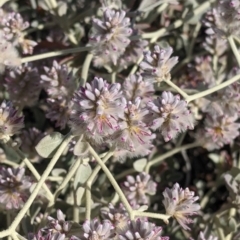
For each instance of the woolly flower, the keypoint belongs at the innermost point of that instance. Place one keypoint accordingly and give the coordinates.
(220, 130)
(118, 216)
(110, 36)
(171, 115)
(220, 104)
(14, 188)
(180, 204)
(138, 190)
(23, 85)
(95, 230)
(134, 138)
(156, 65)
(10, 121)
(227, 14)
(132, 53)
(60, 86)
(202, 72)
(29, 140)
(202, 237)
(9, 55)
(58, 82)
(13, 26)
(57, 226)
(134, 87)
(96, 109)
(140, 229)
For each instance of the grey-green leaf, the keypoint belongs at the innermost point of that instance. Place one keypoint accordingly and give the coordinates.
(140, 164)
(49, 144)
(83, 173)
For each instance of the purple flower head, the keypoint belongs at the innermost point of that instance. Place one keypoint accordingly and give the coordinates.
(96, 230)
(96, 110)
(134, 87)
(23, 85)
(140, 229)
(57, 226)
(138, 190)
(10, 121)
(58, 82)
(180, 204)
(118, 216)
(14, 188)
(156, 65)
(133, 138)
(13, 26)
(220, 130)
(110, 36)
(9, 55)
(41, 236)
(170, 115)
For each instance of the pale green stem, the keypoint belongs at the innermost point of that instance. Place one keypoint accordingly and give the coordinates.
(113, 77)
(179, 90)
(67, 178)
(153, 6)
(178, 23)
(219, 229)
(75, 207)
(232, 214)
(52, 3)
(54, 54)
(234, 49)
(89, 185)
(205, 199)
(125, 173)
(85, 68)
(14, 236)
(37, 188)
(163, 217)
(159, 159)
(33, 171)
(10, 163)
(20, 237)
(113, 182)
(195, 33)
(214, 89)
(9, 223)
(162, 7)
(2, 2)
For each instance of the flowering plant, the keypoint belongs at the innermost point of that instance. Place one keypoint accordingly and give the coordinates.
(119, 120)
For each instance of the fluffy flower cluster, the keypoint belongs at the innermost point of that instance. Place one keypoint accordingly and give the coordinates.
(110, 36)
(180, 204)
(59, 85)
(9, 55)
(23, 85)
(170, 115)
(10, 121)
(13, 26)
(157, 64)
(227, 14)
(14, 188)
(138, 190)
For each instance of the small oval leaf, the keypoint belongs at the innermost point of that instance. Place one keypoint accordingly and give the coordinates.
(140, 164)
(83, 173)
(49, 144)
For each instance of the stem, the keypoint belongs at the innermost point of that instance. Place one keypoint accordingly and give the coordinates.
(33, 170)
(85, 68)
(125, 173)
(234, 49)
(89, 185)
(159, 159)
(113, 77)
(113, 182)
(214, 89)
(75, 207)
(48, 170)
(219, 229)
(9, 223)
(179, 90)
(54, 54)
(164, 217)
